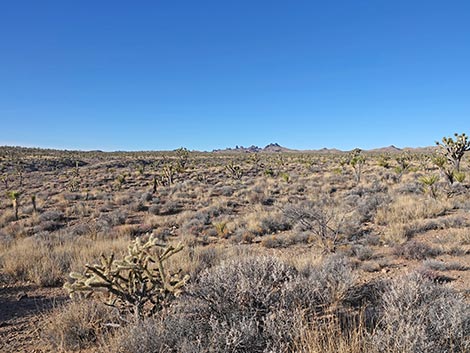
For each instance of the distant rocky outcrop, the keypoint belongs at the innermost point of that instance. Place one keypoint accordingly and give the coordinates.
(271, 148)
(389, 149)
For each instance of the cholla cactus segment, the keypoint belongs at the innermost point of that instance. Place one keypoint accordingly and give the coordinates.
(139, 283)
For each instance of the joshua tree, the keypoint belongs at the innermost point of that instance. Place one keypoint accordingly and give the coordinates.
(403, 165)
(33, 201)
(14, 197)
(19, 169)
(168, 174)
(183, 155)
(454, 150)
(356, 161)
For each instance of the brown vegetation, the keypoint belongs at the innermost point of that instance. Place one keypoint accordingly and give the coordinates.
(286, 252)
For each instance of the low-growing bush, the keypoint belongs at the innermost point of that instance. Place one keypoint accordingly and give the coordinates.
(414, 250)
(254, 304)
(420, 316)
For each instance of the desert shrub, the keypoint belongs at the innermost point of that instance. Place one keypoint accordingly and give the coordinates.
(274, 241)
(362, 252)
(252, 304)
(421, 316)
(137, 206)
(264, 222)
(414, 250)
(444, 266)
(78, 325)
(146, 197)
(52, 216)
(322, 219)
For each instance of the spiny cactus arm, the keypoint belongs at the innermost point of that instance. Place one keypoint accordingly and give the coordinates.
(101, 280)
(170, 251)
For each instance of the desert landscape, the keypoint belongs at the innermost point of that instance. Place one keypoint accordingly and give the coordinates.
(238, 250)
(249, 176)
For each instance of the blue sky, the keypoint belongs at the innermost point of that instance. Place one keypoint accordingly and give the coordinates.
(153, 75)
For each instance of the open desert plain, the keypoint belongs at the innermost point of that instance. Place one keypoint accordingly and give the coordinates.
(249, 176)
(234, 251)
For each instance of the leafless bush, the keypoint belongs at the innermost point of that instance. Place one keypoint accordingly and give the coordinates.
(322, 220)
(421, 316)
(250, 305)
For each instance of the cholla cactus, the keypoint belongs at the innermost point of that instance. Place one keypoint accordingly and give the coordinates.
(139, 283)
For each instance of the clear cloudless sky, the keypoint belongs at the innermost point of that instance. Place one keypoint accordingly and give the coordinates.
(154, 75)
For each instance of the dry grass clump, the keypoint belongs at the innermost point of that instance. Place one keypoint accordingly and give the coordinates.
(79, 325)
(330, 337)
(406, 208)
(45, 259)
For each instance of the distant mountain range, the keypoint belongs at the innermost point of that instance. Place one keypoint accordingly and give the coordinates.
(276, 148)
(271, 148)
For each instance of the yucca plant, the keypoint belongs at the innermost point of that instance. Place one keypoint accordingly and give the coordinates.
(221, 229)
(120, 181)
(429, 182)
(459, 176)
(234, 170)
(441, 162)
(384, 161)
(14, 196)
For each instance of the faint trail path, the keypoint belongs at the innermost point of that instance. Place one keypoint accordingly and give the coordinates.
(21, 310)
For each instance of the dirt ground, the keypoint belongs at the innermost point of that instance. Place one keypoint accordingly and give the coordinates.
(22, 308)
